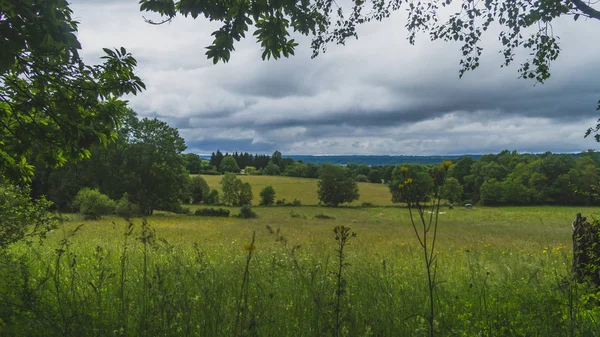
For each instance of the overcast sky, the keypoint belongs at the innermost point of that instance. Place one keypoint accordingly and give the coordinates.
(376, 95)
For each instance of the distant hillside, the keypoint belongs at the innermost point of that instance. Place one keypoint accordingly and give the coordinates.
(375, 160)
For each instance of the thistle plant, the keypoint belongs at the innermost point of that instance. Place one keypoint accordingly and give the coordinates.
(425, 225)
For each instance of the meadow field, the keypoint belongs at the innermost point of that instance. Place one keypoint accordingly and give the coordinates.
(305, 189)
(501, 272)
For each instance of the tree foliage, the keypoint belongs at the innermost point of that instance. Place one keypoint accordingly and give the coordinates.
(452, 190)
(93, 204)
(52, 105)
(520, 24)
(21, 217)
(245, 198)
(144, 162)
(421, 184)
(235, 192)
(229, 164)
(199, 189)
(193, 163)
(267, 196)
(336, 185)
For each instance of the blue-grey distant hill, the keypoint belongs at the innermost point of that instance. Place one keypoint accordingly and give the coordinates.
(376, 160)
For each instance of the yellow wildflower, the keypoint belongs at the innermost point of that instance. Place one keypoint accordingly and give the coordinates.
(249, 246)
(446, 164)
(404, 169)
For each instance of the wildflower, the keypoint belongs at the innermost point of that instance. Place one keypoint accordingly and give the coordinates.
(249, 246)
(558, 248)
(446, 164)
(404, 169)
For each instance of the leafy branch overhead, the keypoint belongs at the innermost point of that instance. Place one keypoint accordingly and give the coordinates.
(522, 24)
(53, 105)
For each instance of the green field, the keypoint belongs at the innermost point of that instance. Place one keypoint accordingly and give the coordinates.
(305, 189)
(501, 272)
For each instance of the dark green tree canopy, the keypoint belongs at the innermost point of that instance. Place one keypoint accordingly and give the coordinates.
(267, 196)
(145, 162)
(411, 183)
(229, 164)
(336, 185)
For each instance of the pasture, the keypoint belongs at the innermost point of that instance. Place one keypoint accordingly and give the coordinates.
(501, 272)
(305, 189)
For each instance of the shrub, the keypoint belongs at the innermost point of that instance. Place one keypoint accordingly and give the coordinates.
(180, 210)
(125, 208)
(246, 212)
(296, 202)
(267, 196)
(324, 216)
(280, 202)
(93, 204)
(366, 204)
(21, 217)
(213, 198)
(199, 189)
(211, 173)
(294, 214)
(212, 212)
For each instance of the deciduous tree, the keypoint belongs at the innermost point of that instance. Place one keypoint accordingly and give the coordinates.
(336, 185)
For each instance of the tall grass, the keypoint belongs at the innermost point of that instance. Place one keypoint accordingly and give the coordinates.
(136, 282)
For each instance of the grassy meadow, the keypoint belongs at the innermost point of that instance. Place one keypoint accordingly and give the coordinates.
(305, 189)
(500, 272)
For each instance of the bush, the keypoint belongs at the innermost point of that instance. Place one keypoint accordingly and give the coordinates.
(280, 202)
(366, 204)
(297, 215)
(296, 202)
(267, 196)
(324, 216)
(211, 173)
(213, 198)
(246, 212)
(212, 212)
(199, 189)
(93, 204)
(125, 208)
(22, 218)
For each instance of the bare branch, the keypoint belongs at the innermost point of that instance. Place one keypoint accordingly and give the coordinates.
(157, 23)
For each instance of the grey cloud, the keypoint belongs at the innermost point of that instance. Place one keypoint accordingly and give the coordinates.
(376, 95)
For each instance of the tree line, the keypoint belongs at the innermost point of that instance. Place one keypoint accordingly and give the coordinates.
(506, 178)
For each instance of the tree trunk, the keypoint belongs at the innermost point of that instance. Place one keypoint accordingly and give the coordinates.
(586, 251)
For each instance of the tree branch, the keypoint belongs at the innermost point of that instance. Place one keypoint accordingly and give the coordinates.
(157, 23)
(586, 9)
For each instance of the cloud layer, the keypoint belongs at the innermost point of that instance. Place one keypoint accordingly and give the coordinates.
(376, 95)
